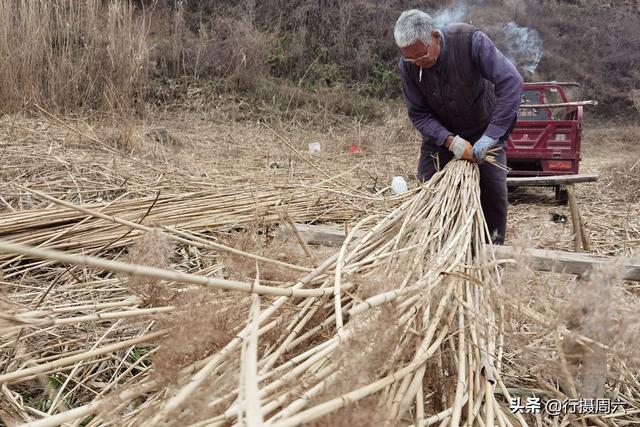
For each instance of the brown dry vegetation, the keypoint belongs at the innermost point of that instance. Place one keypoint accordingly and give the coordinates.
(200, 138)
(371, 352)
(72, 56)
(349, 44)
(119, 56)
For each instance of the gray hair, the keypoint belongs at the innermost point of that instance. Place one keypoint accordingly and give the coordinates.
(411, 26)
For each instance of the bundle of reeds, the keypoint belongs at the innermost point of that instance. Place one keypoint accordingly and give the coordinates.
(431, 249)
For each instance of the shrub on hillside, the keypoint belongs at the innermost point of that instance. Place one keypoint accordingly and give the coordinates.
(594, 44)
(97, 54)
(321, 44)
(341, 44)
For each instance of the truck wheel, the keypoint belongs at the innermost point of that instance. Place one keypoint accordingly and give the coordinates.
(561, 195)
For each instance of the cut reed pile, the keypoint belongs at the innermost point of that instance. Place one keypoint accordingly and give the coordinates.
(116, 224)
(96, 162)
(404, 325)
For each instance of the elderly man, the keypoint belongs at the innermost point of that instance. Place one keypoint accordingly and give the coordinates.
(462, 95)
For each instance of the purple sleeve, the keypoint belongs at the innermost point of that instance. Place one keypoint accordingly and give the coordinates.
(508, 83)
(420, 113)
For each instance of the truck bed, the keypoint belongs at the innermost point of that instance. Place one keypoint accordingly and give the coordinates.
(545, 141)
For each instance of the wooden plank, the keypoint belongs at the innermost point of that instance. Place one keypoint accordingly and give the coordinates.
(586, 240)
(542, 259)
(322, 235)
(543, 181)
(572, 262)
(575, 217)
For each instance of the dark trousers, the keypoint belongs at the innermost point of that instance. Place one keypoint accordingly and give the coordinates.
(493, 183)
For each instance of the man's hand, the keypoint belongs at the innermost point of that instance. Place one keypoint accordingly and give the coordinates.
(481, 147)
(460, 147)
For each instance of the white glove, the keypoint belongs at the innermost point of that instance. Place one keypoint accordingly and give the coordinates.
(461, 148)
(481, 146)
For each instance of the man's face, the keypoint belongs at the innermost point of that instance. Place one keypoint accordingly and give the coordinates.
(423, 55)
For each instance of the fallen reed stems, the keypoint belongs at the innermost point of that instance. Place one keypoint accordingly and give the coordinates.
(404, 324)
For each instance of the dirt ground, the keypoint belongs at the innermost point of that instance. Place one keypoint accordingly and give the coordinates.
(609, 207)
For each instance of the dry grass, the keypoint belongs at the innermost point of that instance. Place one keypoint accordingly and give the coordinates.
(624, 179)
(265, 242)
(71, 57)
(153, 249)
(600, 308)
(112, 56)
(369, 353)
(202, 324)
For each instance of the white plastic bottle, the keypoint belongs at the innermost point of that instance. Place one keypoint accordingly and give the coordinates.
(398, 185)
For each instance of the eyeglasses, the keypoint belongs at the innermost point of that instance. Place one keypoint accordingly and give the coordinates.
(413, 61)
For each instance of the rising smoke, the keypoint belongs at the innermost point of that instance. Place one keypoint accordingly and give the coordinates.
(450, 15)
(521, 45)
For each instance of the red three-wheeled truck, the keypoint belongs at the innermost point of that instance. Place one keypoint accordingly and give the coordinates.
(546, 138)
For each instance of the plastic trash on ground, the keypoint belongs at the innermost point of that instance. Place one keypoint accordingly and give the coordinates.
(314, 147)
(398, 185)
